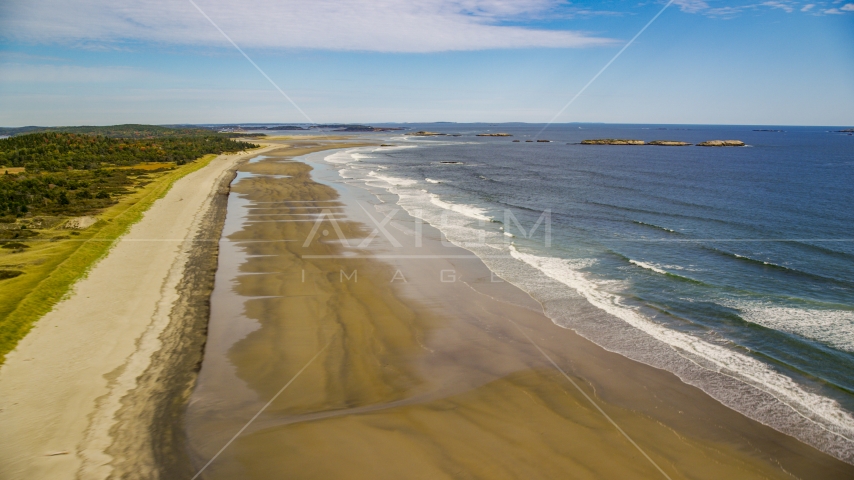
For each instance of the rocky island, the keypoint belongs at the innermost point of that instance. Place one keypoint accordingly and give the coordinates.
(423, 133)
(721, 143)
(612, 141)
(335, 127)
(669, 143)
(277, 127)
(494, 135)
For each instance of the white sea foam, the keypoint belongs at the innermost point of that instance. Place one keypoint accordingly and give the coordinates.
(824, 412)
(430, 180)
(467, 210)
(649, 266)
(342, 157)
(831, 327)
(403, 182)
(754, 260)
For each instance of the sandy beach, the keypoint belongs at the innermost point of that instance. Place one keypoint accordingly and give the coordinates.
(80, 394)
(378, 357)
(339, 346)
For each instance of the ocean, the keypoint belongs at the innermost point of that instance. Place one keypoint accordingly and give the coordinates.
(732, 267)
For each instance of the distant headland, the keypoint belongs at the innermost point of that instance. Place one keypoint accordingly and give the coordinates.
(665, 143)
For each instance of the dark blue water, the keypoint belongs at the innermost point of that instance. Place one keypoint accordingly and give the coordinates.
(749, 249)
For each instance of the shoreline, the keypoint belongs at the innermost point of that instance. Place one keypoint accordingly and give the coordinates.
(448, 358)
(574, 302)
(66, 378)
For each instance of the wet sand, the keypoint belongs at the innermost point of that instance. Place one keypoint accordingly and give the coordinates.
(394, 359)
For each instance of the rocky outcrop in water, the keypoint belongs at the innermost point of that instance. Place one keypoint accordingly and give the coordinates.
(669, 143)
(494, 135)
(423, 133)
(612, 141)
(721, 143)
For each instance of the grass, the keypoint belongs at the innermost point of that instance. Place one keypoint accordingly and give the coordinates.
(52, 267)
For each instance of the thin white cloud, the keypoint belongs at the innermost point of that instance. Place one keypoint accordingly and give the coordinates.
(786, 7)
(848, 7)
(21, 56)
(727, 11)
(833, 11)
(691, 6)
(28, 73)
(374, 25)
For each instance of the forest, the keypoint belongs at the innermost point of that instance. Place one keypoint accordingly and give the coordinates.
(73, 174)
(128, 130)
(54, 151)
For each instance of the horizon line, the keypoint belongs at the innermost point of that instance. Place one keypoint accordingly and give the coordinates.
(425, 123)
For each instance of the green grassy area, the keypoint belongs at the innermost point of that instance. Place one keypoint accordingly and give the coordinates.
(43, 264)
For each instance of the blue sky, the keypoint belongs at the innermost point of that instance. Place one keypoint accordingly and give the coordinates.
(370, 61)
